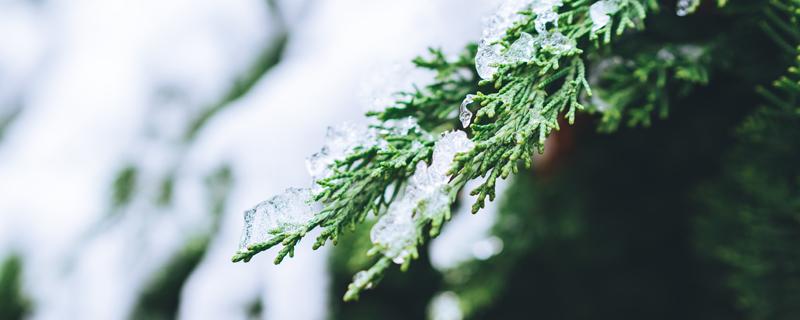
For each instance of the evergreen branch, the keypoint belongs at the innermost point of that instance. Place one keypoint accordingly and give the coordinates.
(517, 108)
(516, 118)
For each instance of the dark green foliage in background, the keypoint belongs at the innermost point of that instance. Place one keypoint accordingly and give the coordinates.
(13, 303)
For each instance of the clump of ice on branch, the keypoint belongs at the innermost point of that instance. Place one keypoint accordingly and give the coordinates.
(339, 141)
(463, 113)
(600, 12)
(425, 196)
(289, 211)
(344, 139)
(522, 50)
(491, 53)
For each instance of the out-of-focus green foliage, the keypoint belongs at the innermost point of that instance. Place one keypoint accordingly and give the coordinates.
(13, 303)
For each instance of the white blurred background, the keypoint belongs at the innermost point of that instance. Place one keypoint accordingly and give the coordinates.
(133, 134)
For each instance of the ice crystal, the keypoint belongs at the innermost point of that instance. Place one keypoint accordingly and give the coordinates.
(556, 43)
(463, 113)
(289, 211)
(488, 59)
(395, 231)
(339, 141)
(547, 17)
(490, 53)
(522, 50)
(425, 196)
(600, 13)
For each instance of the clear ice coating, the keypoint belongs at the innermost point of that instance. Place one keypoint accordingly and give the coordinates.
(522, 50)
(600, 12)
(425, 195)
(490, 54)
(339, 141)
(546, 17)
(288, 211)
(488, 59)
(463, 113)
(556, 43)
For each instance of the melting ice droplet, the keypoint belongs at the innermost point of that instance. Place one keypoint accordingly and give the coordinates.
(522, 50)
(288, 212)
(463, 113)
(487, 60)
(600, 13)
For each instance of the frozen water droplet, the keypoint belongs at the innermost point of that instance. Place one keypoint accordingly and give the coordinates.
(487, 60)
(543, 19)
(522, 50)
(600, 12)
(288, 212)
(318, 163)
(541, 6)
(557, 43)
(463, 113)
(339, 141)
(396, 232)
(445, 150)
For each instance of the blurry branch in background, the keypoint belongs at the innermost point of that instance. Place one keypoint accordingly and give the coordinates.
(753, 209)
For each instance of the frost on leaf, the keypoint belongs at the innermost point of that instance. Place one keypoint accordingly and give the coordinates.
(289, 212)
(425, 196)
